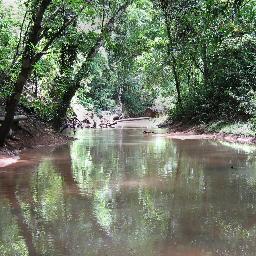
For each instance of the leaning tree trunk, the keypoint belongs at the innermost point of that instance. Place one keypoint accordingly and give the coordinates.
(13, 101)
(68, 57)
(64, 103)
(28, 60)
(30, 57)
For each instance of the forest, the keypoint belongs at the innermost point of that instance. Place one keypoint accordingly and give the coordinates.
(173, 84)
(192, 60)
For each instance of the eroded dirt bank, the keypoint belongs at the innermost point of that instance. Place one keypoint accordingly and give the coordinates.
(199, 132)
(32, 133)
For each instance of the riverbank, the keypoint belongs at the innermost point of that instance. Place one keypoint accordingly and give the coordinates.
(236, 132)
(32, 133)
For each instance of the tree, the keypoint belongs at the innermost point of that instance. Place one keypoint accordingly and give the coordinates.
(75, 84)
(198, 31)
(128, 76)
(39, 35)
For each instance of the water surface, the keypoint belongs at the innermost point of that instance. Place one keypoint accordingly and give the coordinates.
(119, 192)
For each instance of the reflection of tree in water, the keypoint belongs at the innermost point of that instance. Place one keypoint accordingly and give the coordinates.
(193, 205)
(133, 196)
(211, 202)
(58, 224)
(9, 184)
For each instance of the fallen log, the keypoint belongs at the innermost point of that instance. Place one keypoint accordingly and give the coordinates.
(15, 126)
(132, 119)
(15, 119)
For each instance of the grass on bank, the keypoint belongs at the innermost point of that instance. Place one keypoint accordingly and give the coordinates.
(238, 128)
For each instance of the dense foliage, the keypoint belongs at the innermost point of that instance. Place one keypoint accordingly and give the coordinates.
(193, 59)
(212, 45)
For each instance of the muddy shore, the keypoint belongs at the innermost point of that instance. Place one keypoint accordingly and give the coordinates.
(198, 132)
(37, 134)
(214, 136)
(32, 133)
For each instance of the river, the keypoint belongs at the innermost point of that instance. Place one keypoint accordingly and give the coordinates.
(119, 192)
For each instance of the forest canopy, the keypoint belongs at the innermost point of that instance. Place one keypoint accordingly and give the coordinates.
(194, 60)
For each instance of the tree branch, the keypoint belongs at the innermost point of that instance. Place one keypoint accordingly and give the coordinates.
(16, 54)
(55, 36)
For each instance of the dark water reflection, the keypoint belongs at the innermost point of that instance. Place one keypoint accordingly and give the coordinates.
(119, 192)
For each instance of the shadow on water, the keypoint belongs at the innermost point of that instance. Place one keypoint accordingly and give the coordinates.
(120, 192)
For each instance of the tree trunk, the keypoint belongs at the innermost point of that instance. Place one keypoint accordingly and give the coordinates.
(120, 94)
(63, 105)
(26, 68)
(171, 58)
(29, 58)
(177, 79)
(206, 71)
(13, 101)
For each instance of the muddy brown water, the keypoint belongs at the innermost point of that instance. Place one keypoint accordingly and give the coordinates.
(119, 192)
